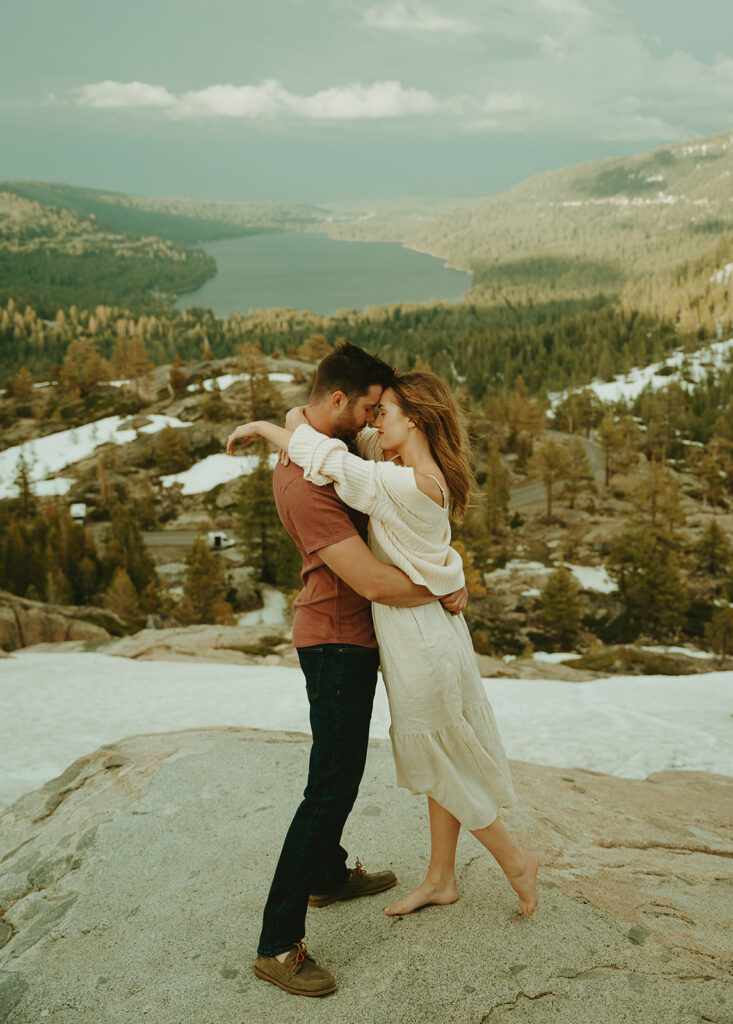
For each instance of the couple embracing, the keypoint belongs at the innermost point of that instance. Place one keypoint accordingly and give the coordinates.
(397, 601)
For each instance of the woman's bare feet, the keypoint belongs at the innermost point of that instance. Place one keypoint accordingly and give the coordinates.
(425, 895)
(524, 883)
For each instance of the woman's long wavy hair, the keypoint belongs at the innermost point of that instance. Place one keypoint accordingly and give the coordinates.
(428, 402)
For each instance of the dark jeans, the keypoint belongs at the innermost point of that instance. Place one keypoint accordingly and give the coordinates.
(340, 680)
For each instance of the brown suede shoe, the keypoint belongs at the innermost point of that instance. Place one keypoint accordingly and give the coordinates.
(359, 883)
(298, 973)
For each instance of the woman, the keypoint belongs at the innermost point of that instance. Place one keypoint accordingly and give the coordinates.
(444, 735)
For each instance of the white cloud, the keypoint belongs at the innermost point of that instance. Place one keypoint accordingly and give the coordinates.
(247, 101)
(382, 99)
(509, 103)
(574, 8)
(108, 95)
(385, 99)
(571, 67)
(413, 18)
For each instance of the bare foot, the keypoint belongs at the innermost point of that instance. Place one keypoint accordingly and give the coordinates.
(425, 895)
(524, 884)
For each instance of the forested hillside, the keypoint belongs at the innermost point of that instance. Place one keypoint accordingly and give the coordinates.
(551, 346)
(652, 229)
(62, 246)
(178, 219)
(52, 257)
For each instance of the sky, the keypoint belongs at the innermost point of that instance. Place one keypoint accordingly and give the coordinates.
(313, 100)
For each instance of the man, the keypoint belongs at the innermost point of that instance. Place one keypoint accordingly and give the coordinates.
(337, 649)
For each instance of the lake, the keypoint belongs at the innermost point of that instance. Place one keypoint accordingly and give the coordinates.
(315, 272)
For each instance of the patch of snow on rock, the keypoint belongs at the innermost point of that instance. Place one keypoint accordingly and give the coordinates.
(225, 380)
(591, 577)
(696, 365)
(57, 707)
(271, 614)
(723, 275)
(214, 470)
(555, 657)
(50, 454)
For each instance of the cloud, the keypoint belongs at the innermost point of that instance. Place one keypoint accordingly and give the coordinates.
(270, 100)
(509, 103)
(582, 70)
(242, 101)
(109, 95)
(573, 8)
(414, 19)
(382, 99)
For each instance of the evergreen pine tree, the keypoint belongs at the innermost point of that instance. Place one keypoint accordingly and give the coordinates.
(314, 348)
(551, 460)
(656, 500)
(496, 491)
(719, 631)
(131, 361)
(269, 549)
(713, 551)
(643, 562)
(26, 503)
(172, 451)
(177, 377)
(121, 596)
(474, 582)
(263, 400)
(204, 588)
(578, 476)
(616, 438)
(560, 607)
(83, 367)
(125, 548)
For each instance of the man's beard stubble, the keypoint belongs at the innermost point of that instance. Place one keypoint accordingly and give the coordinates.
(345, 429)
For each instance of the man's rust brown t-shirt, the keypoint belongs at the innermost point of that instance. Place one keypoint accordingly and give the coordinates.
(327, 610)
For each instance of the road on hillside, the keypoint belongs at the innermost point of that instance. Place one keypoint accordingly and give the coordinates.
(527, 494)
(170, 538)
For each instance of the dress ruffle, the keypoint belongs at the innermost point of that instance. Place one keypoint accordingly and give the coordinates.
(462, 766)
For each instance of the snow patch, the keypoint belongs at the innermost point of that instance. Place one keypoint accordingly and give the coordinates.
(225, 380)
(723, 275)
(588, 577)
(592, 577)
(271, 614)
(555, 657)
(57, 707)
(215, 470)
(50, 454)
(694, 365)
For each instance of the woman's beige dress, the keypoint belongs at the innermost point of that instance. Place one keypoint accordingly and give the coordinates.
(444, 735)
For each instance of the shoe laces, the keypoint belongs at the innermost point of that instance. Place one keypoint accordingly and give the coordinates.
(300, 954)
(360, 870)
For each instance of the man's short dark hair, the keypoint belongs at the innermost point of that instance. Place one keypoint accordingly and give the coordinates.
(352, 370)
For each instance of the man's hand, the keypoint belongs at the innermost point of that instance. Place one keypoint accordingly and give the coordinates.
(456, 602)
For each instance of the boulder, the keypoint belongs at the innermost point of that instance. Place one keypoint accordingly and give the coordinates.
(241, 579)
(237, 645)
(132, 888)
(528, 668)
(24, 623)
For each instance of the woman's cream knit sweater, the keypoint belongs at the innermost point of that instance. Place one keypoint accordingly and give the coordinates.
(411, 529)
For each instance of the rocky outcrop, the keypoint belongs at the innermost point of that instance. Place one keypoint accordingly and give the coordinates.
(24, 623)
(528, 668)
(236, 645)
(132, 887)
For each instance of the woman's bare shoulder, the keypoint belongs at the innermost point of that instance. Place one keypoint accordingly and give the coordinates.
(429, 486)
